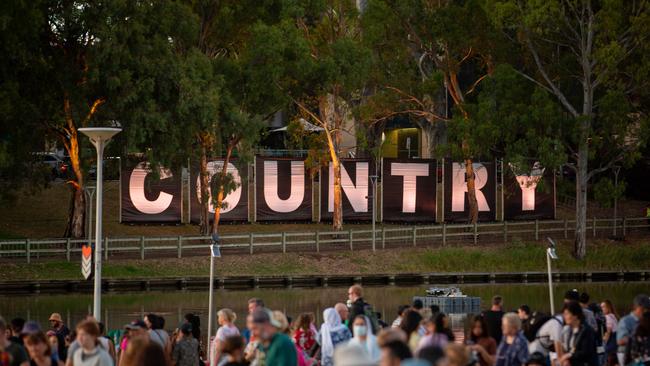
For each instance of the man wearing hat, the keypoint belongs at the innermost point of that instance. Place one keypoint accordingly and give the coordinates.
(277, 346)
(627, 325)
(61, 331)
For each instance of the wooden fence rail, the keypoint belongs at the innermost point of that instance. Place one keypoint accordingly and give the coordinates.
(386, 237)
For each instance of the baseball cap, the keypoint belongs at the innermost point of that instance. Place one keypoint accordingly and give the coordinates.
(642, 300)
(136, 324)
(31, 327)
(263, 316)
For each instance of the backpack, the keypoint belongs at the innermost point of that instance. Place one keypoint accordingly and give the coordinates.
(601, 329)
(372, 316)
(534, 323)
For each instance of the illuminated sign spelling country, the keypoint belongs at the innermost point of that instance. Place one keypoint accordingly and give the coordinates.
(283, 191)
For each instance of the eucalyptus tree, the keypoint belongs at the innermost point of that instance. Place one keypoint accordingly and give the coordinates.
(315, 59)
(435, 55)
(592, 58)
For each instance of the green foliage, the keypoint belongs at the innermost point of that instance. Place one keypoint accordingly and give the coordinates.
(605, 192)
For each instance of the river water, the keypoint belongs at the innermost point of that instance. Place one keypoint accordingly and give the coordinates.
(119, 309)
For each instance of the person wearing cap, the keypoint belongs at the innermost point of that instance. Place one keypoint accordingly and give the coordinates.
(15, 352)
(186, 349)
(135, 329)
(278, 348)
(627, 325)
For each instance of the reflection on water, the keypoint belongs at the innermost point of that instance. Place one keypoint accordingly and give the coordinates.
(119, 309)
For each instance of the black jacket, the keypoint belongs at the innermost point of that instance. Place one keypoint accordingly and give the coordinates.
(584, 352)
(358, 308)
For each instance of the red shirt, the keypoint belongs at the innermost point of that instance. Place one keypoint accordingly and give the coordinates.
(305, 339)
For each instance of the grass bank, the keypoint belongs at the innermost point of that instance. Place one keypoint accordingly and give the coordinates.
(516, 257)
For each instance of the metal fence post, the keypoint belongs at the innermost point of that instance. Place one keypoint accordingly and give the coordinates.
(284, 242)
(475, 233)
(142, 247)
(624, 226)
(444, 233)
(383, 237)
(28, 251)
(566, 228)
(317, 242)
(536, 229)
(594, 226)
(179, 246)
(415, 236)
(250, 242)
(67, 249)
(106, 249)
(350, 237)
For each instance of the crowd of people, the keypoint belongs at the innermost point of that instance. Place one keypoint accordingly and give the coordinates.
(584, 333)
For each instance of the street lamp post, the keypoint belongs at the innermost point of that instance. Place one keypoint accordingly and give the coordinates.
(100, 137)
(617, 169)
(373, 178)
(550, 254)
(214, 252)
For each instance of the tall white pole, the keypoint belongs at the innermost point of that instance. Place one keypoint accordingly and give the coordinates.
(550, 282)
(97, 299)
(210, 307)
(374, 213)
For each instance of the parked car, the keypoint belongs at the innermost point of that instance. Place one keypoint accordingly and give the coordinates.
(57, 165)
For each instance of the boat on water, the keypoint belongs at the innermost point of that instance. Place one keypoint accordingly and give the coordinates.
(450, 300)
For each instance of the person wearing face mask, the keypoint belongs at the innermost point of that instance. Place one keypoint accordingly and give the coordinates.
(361, 329)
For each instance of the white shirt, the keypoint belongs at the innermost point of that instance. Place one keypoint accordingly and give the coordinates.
(547, 334)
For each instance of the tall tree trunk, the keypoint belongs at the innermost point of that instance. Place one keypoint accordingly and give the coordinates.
(331, 124)
(220, 194)
(337, 216)
(580, 243)
(77, 212)
(205, 195)
(471, 191)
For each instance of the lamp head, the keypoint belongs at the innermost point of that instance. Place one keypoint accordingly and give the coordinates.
(550, 250)
(100, 133)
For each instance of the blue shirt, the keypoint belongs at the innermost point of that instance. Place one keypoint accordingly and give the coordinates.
(626, 328)
(515, 354)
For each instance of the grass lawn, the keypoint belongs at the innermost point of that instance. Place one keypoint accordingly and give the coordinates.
(516, 257)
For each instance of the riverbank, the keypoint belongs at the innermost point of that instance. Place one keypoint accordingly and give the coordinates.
(518, 257)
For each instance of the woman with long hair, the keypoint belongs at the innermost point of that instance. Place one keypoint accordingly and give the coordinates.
(609, 338)
(411, 325)
(480, 342)
(304, 335)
